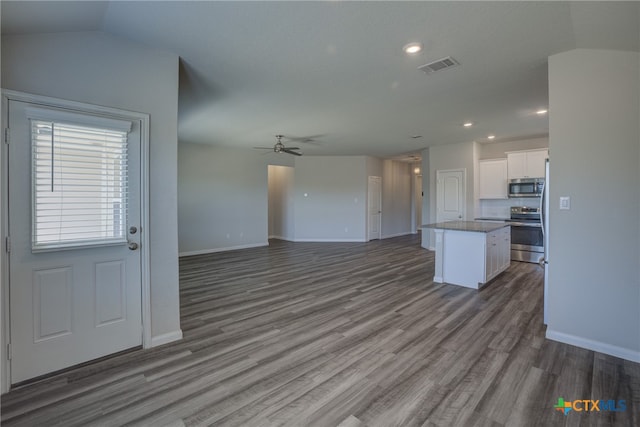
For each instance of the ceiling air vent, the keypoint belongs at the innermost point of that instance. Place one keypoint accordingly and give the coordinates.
(439, 65)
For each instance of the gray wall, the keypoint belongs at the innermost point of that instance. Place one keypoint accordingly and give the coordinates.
(222, 197)
(99, 69)
(330, 198)
(594, 141)
(396, 198)
(426, 199)
(445, 157)
(374, 166)
(232, 198)
(281, 206)
(497, 150)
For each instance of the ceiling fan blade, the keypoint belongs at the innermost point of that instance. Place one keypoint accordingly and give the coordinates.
(295, 153)
(292, 148)
(306, 139)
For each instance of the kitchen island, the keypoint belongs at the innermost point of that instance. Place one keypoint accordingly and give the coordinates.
(471, 253)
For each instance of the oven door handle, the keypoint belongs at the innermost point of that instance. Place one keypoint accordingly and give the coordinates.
(525, 224)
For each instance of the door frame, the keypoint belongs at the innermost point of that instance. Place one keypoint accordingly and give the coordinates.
(143, 119)
(368, 216)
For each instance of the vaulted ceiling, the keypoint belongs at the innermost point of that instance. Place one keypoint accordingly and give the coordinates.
(335, 71)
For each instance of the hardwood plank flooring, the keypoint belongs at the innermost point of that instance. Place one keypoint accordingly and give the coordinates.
(339, 334)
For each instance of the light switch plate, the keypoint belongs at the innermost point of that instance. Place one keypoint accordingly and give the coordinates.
(565, 203)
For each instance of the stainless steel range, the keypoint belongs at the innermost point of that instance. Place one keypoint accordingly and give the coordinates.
(527, 240)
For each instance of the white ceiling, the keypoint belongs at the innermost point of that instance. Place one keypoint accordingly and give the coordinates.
(336, 71)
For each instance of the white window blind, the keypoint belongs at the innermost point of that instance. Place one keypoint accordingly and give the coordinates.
(79, 185)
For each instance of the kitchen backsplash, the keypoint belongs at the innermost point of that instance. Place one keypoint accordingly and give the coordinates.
(501, 208)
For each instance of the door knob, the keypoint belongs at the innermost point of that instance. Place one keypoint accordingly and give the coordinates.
(133, 246)
(133, 230)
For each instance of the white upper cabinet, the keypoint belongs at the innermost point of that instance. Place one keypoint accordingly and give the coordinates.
(492, 175)
(526, 164)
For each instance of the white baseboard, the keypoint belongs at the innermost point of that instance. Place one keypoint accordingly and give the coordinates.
(612, 350)
(166, 338)
(320, 240)
(397, 235)
(229, 248)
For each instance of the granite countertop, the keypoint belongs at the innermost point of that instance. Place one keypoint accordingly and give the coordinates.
(474, 226)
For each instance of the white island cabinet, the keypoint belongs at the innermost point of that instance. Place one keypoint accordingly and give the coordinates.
(471, 253)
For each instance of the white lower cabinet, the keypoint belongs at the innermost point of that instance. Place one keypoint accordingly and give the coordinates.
(472, 259)
(498, 252)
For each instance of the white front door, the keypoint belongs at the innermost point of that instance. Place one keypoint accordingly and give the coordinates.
(374, 207)
(450, 195)
(74, 228)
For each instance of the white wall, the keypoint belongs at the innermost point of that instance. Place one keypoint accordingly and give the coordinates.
(99, 69)
(330, 198)
(594, 140)
(281, 206)
(396, 198)
(222, 197)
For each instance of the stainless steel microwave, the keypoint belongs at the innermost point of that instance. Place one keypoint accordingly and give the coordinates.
(526, 187)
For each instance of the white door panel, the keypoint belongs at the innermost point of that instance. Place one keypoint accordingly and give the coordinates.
(73, 304)
(450, 195)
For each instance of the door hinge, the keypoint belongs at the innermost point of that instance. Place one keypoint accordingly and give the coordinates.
(9, 350)
(7, 244)
(7, 134)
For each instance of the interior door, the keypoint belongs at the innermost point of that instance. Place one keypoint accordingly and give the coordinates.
(375, 207)
(450, 195)
(74, 219)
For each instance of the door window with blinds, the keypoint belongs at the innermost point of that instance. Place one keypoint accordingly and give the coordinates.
(79, 180)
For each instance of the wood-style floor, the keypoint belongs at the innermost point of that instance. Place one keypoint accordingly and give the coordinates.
(348, 334)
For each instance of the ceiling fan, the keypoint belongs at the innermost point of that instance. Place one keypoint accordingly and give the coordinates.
(279, 147)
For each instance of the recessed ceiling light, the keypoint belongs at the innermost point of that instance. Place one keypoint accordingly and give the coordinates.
(491, 136)
(541, 112)
(412, 48)
(468, 124)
